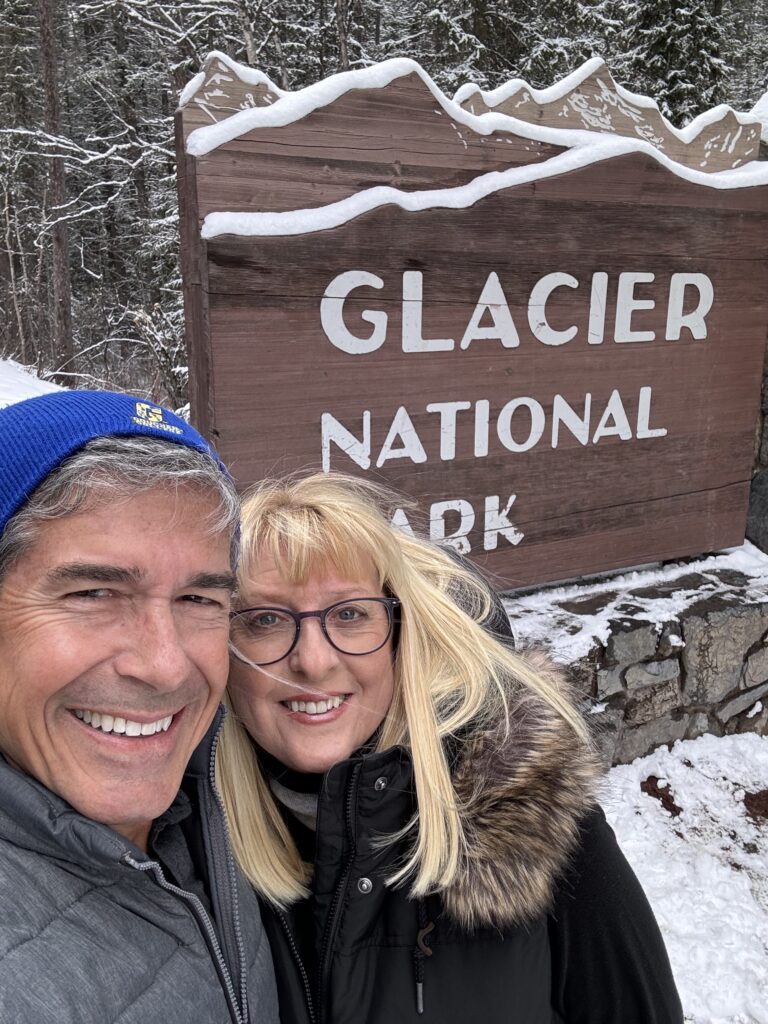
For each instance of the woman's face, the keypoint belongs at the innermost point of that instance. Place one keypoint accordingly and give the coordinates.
(314, 671)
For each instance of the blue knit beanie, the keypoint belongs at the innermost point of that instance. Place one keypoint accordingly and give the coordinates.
(38, 434)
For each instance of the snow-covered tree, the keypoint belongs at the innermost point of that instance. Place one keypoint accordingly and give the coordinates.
(673, 53)
(559, 41)
(746, 31)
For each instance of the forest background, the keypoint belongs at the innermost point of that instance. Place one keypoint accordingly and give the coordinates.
(90, 288)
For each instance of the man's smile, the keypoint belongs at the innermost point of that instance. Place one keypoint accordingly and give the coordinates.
(121, 725)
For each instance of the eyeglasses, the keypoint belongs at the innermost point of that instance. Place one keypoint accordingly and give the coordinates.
(359, 625)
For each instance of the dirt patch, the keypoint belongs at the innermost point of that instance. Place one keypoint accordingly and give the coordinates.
(664, 796)
(756, 804)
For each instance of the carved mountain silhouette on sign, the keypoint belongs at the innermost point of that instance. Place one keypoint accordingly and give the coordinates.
(590, 99)
(223, 88)
(310, 148)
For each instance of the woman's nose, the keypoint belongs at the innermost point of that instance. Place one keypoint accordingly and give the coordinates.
(313, 655)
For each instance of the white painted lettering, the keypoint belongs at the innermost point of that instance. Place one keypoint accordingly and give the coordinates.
(620, 427)
(537, 314)
(447, 411)
(332, 314)
(457, 539)
(497, 523)
(412, 448)
(413, 283)
(358, 449)
(492, 301)
(627, 304)
(597, 304)
(563, 413)
(482, 418)
(504, 424)
(644, 415)
(693, 321)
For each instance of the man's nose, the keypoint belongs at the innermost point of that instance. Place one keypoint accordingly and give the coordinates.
(154, 648)
(313, 655)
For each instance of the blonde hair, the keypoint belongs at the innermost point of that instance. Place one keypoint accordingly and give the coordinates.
(450, 671)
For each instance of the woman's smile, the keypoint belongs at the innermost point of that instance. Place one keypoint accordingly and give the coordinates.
(318, 709)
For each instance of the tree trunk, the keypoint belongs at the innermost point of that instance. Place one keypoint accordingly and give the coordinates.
(62, 348)
(9, 272)
(342, 18)
(245, 27)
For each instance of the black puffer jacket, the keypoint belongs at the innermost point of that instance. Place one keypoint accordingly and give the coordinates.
(546, 925)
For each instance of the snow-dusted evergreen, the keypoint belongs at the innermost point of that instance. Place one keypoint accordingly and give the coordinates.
(672, 52)
(746, 50)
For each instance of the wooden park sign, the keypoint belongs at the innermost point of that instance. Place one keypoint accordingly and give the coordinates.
(551, 338)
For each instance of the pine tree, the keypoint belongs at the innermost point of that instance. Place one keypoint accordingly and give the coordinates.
(561, 41)
(673, 54)
(746, 30)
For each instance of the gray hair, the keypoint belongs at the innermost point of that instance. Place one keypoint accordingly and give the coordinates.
(111, 468)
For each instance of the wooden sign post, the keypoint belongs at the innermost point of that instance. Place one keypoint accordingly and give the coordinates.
(552, 339)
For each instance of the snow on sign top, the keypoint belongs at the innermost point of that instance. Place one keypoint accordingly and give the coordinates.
(760, 111)
(224, 87)
(587, 101)
(585, 119)
(295, 106)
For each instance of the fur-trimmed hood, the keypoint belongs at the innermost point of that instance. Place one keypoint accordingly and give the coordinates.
(522, 791)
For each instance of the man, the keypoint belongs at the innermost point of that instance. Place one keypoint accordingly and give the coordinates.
(119, 897)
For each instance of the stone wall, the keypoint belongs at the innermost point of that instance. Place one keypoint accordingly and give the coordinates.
(672, 659)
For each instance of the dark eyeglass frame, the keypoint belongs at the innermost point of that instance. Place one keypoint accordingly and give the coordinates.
(392, 604)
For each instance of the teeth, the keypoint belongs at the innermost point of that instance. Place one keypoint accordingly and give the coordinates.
(319, 707)
(123, 726)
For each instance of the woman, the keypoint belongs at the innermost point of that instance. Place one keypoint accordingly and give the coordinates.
(414, 801)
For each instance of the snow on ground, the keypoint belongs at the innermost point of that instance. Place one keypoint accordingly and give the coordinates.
(539, 618)
(704, 868)
(18, 382)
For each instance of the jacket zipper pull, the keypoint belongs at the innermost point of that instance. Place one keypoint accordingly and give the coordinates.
(420, 954)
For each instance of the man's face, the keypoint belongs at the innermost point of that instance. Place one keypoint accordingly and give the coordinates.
(113, 653)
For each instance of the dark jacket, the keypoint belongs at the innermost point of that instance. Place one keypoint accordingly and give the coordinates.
(92, 931)
(546, 924)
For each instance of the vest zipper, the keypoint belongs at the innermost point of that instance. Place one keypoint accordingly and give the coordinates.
(332, 923)
(226, 856)
(299, 962)
(207, 927)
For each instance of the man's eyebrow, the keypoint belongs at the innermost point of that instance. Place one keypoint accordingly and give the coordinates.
(78, 571)
(213, 581)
